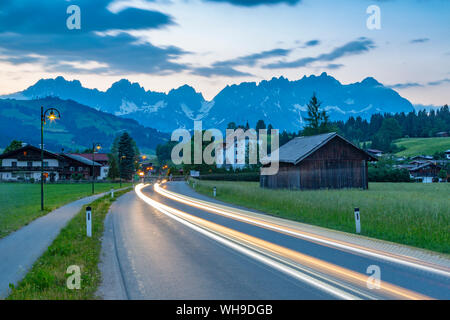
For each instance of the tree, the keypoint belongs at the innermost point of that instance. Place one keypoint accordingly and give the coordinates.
(317, 119)
(442, 174)
(14, 145)
(113, 171)
(389, 131)
(127, 154)
(231, 125)
(260, 125)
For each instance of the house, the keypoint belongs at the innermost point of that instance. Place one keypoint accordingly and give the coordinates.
(422, 170)
(322, 161)
(235, 155)
(442, 134)
(422, 158)
(101, 158)
(375, 152)
(74, 164)
(24, 164)
(425, 172)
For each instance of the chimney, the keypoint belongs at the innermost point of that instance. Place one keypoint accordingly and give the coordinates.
(24, 144)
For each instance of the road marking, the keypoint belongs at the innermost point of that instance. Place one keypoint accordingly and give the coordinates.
(245, 216)
(222, 234)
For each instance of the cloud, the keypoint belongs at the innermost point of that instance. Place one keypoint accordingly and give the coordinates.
(420, 40)
(121, 52)
(358, 46)
(219, 71)
(312, 43)
(438, 82)
(254, 3)
(227, 67)
(334, 66)
(251, 59)
(416, 84)
(36, 31)
(405, 85)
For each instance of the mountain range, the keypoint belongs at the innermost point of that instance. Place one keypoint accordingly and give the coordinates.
(278, 101)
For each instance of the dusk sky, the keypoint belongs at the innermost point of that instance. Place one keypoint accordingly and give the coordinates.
(208, 44)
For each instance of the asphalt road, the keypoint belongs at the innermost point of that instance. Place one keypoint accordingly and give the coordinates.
(167, 252)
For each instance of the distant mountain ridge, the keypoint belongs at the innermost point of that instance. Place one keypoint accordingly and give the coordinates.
(78, 128)
(278, 101)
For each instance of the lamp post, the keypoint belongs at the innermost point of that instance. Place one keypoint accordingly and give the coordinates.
(53, 114)
(95, 146)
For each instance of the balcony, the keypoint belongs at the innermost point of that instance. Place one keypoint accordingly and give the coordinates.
(27, 169)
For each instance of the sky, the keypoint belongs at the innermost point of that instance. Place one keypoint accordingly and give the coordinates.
(208, 44)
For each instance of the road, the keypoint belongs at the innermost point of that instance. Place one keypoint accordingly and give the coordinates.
(161, 245)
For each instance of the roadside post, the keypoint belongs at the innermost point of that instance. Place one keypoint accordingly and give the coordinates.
(214, 191)
(357, 220)
(89, 221)
(112, 193)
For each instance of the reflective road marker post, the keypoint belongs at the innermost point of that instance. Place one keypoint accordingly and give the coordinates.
(357, 220)
(214, 191)
(112, 193)
(88, 221)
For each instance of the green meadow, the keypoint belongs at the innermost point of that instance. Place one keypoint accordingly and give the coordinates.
(414, 214)
(20, 203)
(422, 146)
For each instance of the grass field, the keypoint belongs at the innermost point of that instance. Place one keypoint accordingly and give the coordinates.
(407, 213)
(47, 279)
(422, 146)
(20, 203)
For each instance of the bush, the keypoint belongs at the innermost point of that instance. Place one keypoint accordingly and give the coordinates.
(386, 174)
(244, 176)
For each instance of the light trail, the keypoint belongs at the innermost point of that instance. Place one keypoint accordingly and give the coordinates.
(245, 243)
(261, 221)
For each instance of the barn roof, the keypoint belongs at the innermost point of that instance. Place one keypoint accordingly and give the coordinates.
(301, 147)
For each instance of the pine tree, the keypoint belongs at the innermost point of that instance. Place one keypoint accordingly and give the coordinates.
(127, 155)
(317, 119)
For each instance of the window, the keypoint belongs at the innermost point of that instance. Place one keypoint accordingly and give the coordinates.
(80, 169)
(45, 163)
(14, 164)
(29, 164)
(72, 168)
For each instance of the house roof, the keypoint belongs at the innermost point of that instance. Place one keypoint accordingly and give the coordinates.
(301, 147)
(97, 157)
(424, 166)
(29, 147)
(81, 159)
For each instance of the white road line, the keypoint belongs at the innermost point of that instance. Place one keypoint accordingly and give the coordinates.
(230, 212)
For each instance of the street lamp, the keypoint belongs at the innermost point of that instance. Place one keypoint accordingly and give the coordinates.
(52, 114)
(95, 146)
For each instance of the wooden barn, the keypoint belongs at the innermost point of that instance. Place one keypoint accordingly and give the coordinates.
(325, 161)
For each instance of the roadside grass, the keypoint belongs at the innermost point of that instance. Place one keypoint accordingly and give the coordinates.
(422, 146)
(47, 278)
(20, 203)
(414, 214)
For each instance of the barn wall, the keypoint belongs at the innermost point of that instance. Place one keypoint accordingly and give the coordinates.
(336, 165)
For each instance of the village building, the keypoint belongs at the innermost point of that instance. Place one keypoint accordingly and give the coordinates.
(325, 161)
(24, 164)
(100, 158)
(422, 170)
